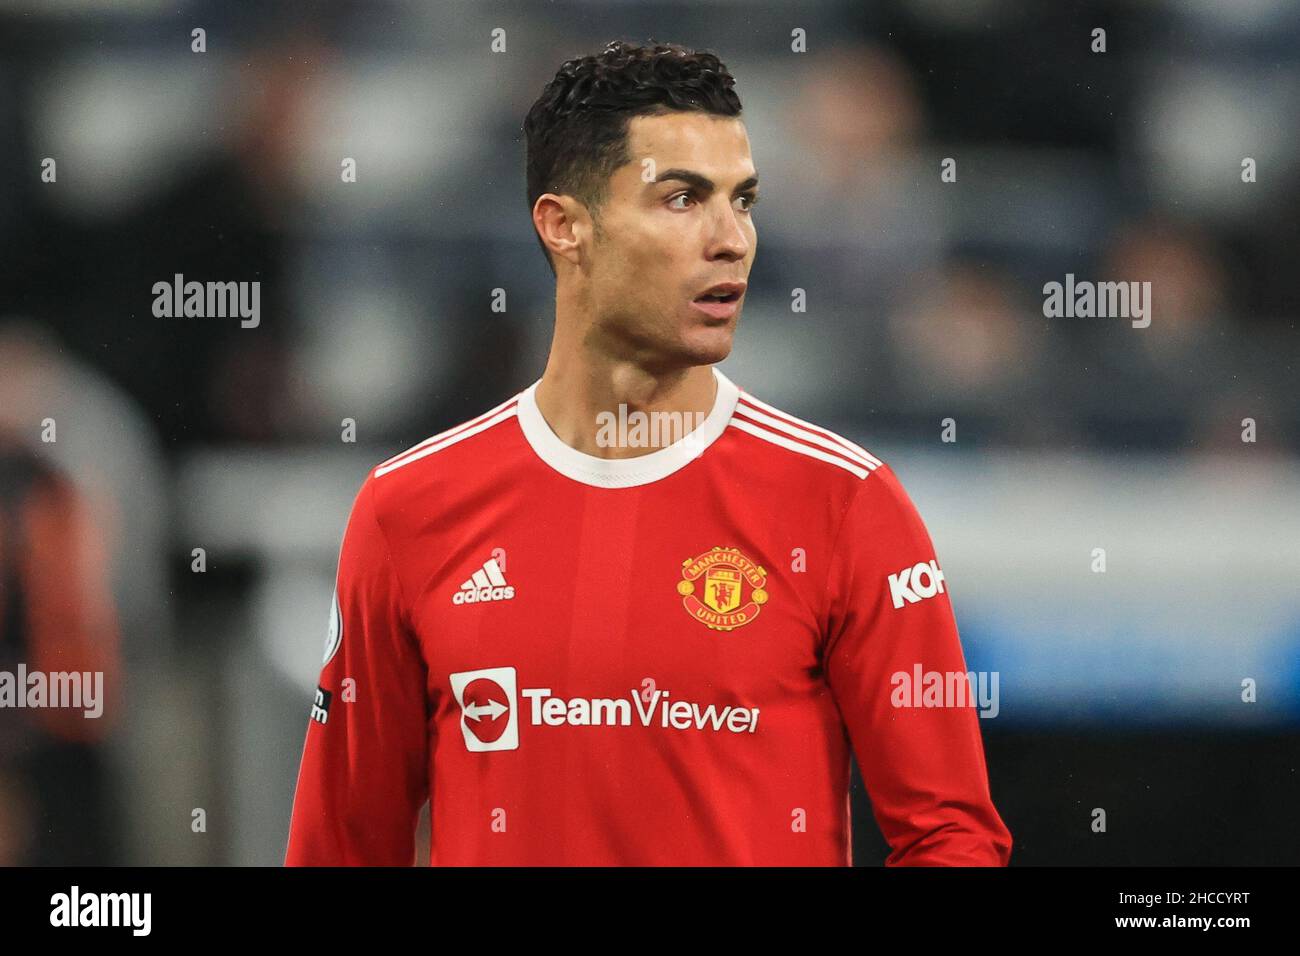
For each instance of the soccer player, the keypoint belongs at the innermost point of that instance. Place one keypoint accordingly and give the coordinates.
(633, 615)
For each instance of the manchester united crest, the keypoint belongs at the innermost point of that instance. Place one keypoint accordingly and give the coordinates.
(714, 586)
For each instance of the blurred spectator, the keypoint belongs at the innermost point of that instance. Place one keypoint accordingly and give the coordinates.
(105, 446)
(227, 216)
(1154, 382)
(56, 617)
(968, 345)
(851, 205)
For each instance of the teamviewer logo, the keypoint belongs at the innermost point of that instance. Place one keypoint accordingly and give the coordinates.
(488, 712)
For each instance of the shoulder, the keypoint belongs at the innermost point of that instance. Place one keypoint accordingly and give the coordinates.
(471, 435)
(801, 445)
(462, 456)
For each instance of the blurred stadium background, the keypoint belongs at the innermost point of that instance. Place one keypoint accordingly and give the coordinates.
(1120, 690)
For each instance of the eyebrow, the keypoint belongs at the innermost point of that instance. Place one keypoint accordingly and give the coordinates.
(703, 183)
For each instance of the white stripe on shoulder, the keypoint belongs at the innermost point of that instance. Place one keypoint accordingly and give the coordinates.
(777, 424)
(778, 439)
(450, 431)
(862, 452)
(432, 445)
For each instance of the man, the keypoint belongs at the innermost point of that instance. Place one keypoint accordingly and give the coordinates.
(587, 639)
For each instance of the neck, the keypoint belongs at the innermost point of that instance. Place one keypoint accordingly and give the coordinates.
(582, 388)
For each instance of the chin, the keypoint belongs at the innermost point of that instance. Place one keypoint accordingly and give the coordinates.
(709, 346)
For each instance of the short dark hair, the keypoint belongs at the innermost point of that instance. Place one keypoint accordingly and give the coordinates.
(576, 132)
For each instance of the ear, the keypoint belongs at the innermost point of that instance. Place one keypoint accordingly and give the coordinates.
(562, 223)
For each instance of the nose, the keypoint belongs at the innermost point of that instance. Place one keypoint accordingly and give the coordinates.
(729, 241)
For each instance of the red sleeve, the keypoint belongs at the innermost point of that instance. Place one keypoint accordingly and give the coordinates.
(364, 773)
(923, 766)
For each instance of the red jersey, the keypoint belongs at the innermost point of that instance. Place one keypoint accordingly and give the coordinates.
(657, 660)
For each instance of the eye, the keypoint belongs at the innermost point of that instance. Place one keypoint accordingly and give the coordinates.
(677, 197)
(751, 200)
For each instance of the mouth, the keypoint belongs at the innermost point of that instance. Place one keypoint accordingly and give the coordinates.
(721, 301)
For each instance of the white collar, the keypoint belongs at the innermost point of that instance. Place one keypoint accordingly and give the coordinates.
(624, 472)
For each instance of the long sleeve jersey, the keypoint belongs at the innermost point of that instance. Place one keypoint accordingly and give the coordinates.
(666, 659)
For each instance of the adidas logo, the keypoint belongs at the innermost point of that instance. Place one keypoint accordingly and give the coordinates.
(486, 584)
